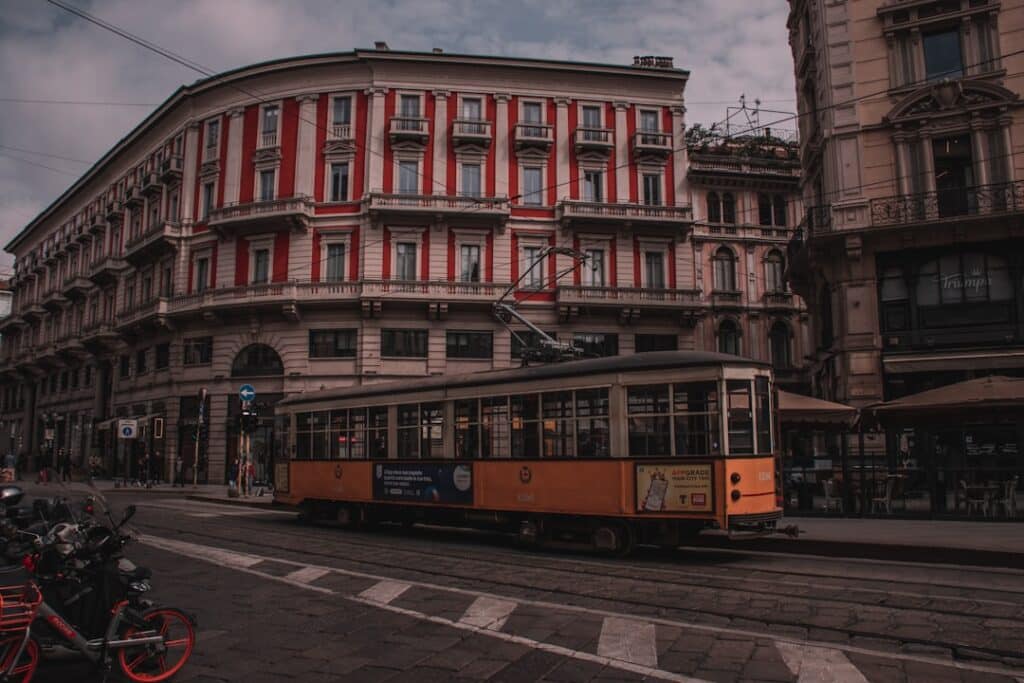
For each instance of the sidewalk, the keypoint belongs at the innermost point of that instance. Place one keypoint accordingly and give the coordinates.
(213, 493)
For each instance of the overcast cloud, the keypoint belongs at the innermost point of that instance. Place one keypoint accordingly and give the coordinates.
(729, 46)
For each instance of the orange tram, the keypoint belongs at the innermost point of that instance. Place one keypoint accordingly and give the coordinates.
(610, 452)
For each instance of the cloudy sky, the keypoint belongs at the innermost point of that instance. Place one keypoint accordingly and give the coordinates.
(52, 61)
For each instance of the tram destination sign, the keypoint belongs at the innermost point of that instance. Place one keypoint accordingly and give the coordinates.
(423, 483)
(673, 488)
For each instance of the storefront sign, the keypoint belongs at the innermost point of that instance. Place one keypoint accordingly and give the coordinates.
(423, 483)
(673, 488)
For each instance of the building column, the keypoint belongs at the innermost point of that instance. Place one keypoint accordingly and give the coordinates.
(500, 134)
(233, 161)
(903, 169)
(376, 129)
(440, 142)
(562, 142)
(305, 153)
(679, 155)
(622, 153)
(1005, 122)
(929, 162)
(188, 173)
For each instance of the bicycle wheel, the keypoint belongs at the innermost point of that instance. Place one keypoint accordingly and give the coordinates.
(151, 663)
(27, 662)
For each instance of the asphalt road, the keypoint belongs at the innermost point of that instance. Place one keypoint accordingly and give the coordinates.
(278, 601)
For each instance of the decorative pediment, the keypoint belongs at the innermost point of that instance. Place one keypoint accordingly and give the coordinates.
(209, 168)
(267, 155)
(949, 98)
(532, 154)
(338, 147)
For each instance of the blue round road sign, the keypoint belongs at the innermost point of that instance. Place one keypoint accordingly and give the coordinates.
(247, 392)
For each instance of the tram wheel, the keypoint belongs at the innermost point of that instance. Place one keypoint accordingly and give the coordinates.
(616, 538)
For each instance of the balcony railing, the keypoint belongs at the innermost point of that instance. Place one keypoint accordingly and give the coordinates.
(593, 139)
(171, 169)
(133, 196)
(726, 298)
(403, 289)
(534, 135)
(340, 131)
(420, 206)
(948, 204)
(784, 299)
(646, 142)
(409, 128)
(137, 314)
(151, 184)
(159, 238)
(632, 296)
(268, 139)
(471, 131)
(571, 210)
(258, 216)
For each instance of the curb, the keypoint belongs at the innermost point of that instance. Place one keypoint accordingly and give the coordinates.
(239, 502)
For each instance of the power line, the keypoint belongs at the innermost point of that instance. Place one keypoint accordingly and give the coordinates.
(33, 163)
(95, 103)
(44, 154)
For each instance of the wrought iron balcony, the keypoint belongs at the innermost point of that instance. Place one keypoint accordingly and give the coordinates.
(652, 144)
(133, 197)
(628, 296)
(414, 129)
(159, 239)
(99, 334)
(594, 141)
(778, 299)
(952, 204)
(261, 216)
(471, 132)
(105, 270)
(571, 212)
(171, 169)
(152, 313)
(537, 137)
(115, 213)
(151, 184)
(76, 286)
(434, 207)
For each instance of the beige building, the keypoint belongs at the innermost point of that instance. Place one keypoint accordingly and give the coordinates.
(910, 254)
(337, 219)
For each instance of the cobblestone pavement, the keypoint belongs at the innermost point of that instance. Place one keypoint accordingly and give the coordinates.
(278, 601)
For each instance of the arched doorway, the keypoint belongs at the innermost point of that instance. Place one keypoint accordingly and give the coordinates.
(261, 366)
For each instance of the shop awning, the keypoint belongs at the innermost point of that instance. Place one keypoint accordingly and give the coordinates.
(805, 410)
(105, 424)
(981, 397)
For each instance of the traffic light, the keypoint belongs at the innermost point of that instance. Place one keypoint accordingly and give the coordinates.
(248, 420)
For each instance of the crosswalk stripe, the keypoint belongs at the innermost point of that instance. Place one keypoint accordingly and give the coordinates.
(307, 574)
(628, 640)
(488, 613)
(812, 664)
(384, 592)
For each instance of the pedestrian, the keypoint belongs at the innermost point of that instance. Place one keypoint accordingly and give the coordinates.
(250, 475)
(9, 464)
(233, 477)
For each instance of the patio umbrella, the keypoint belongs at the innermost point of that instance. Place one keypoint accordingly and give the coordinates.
(804, 410)
(981, 397)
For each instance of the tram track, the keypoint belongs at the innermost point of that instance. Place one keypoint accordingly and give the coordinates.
(473, 571)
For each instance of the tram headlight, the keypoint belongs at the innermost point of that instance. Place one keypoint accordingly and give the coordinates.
(735, 478)
(736, 495)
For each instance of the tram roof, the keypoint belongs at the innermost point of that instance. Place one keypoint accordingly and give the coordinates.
(656, 360)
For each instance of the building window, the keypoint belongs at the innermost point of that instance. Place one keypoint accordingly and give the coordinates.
(654, 269)
(593, 182)
(141, 356)
(335, 262)
(778, 342)
(212, 138)
(532, 186)
(172, 207)
(405, 261)
(532, 114)
(472, 111)
(649, 124)
(593, 268)
(533, 267)
(408, 177)
(332, 343)
(729, 338)
(774, 267)
(652, 189)
(724, 271)
(471, 180)
(162, 356)
(257, 360)
(260, 266)
(771, 209)
(165, 282)
(714, 208)
(207, 200)
(126, 366)
(267, 185)
(462, 344)
(969, 278)
(469, 263)
(721, 208)
(268, 126)
(656, 342)
(942, 55)
(403, 343)
(597, 344)
(202, 274)
(342, 111)
(525, 341)
(410, 106)
(197, 351)
(339, 182)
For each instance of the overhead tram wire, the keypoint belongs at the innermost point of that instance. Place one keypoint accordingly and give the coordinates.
(44, 154)
(22, 100)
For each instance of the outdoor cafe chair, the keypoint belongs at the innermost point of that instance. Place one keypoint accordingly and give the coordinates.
(1007, 502)
(884, 502)
(833, 500)
(974, 503)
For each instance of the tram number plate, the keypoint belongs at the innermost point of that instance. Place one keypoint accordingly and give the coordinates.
(673, 488)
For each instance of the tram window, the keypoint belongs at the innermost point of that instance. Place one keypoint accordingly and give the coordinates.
(303, 438)
(432, 434)
(467, 428)
(357, 433)
(592, 435)
(695, 408)
(525, 426)
(494, 427)
(557, 424)
(377, 433)
(763, 407)
(408, 431)
(339, 435)
(649, 426)
(741, 418)
(311, 436)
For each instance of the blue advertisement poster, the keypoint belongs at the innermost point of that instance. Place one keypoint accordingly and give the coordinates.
(426, 483)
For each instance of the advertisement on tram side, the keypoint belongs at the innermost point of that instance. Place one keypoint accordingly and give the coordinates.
(423, 483)
(673, 488)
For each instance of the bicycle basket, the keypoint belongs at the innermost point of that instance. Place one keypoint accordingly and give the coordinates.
(19, 600)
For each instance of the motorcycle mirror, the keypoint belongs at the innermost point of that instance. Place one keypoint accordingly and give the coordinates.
(129, 512)
(11, 495)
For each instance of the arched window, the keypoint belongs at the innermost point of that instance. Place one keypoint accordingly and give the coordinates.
(778, 343)
(728, 208)
(724, 271)
(774, 266)
(764, 209)
(779, 208)
(257, 360)
(714, 208)
(729, 337)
